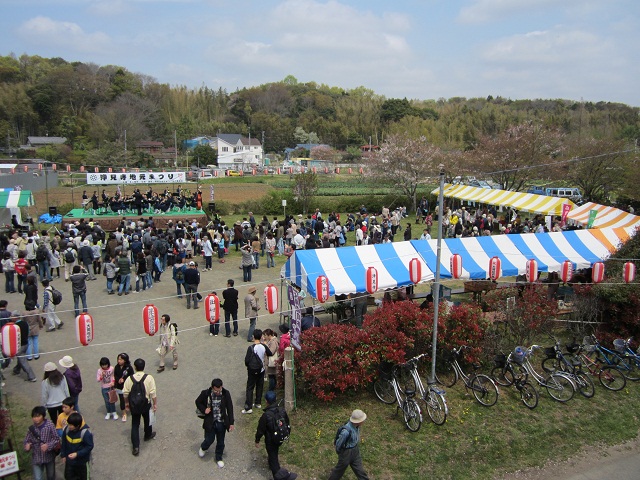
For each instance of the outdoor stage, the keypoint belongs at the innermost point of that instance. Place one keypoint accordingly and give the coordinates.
(110, 221)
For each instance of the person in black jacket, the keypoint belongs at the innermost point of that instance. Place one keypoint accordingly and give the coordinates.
(217, 406)
(191, 282)
(21, 356)
(272, 447)
(230, 307)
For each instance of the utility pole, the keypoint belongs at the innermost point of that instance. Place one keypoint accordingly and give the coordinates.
(175, 147)
(125, 149)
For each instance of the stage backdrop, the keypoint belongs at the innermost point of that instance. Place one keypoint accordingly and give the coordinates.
(135, 178)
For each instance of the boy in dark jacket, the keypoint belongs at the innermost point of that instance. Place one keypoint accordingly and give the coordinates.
(77, 443)
(279, 473)
(217, 406)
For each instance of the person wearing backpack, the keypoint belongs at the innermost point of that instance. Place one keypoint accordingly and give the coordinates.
(49, 308)
(268, 428)
(217, 406)
(168, 341)
(77, 444)
(139, 392)
(178, 275)
(254, 361)
(346, 445)
(42, 257)
(69, 261)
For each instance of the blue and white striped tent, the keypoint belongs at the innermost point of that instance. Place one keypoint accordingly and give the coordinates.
(345, 267)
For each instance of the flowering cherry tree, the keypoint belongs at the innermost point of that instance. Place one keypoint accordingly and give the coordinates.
(405, 162)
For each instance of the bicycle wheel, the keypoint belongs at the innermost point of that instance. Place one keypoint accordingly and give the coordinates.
(384, 391)
(630, 368)
(612, 379)
(484, 390)
(551, 365)
(446, 375)
(529, 395)
(436, 407)
(502, 377)
(411, 414)
(584, 384)
(560, 388)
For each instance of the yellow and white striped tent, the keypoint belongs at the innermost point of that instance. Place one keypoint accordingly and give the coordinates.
(526, 202)
(606, 216)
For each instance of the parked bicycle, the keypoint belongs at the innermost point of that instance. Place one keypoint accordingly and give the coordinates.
(449, 371)
(610, 376)
(630, 359)
(558, 384)
(556, 360)
(433, 397)
(506, 375)
(387, 389)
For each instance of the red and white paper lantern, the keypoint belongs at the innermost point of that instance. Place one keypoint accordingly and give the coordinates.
(415, 271)
(271, 298)
(629, 272)
(322, 288)
(597, 272)
(212, 308)
(532, 271)
(566, 271)
(84, 329)
(495, 268)
(150, 319)
(11, 339)
(372, 280)
(456, 265)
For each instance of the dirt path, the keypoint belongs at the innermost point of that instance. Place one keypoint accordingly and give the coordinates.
(118, 328)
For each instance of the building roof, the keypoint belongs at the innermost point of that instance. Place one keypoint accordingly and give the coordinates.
(149, 143)
(235, 138)
(34, 141)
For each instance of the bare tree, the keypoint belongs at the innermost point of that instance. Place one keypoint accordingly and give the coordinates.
(405, 162)
(511, 157)
(600, 168)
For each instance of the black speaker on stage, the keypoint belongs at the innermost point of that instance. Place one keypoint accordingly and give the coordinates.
(212, 206)
(53, 211)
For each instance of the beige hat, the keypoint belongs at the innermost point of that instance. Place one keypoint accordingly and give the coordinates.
(252, 289)
(358, 416)
(50, 367)
(66, 362)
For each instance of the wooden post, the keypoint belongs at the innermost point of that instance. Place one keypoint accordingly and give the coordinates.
(287, 365)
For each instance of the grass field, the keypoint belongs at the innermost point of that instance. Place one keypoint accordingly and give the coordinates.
(475, 442)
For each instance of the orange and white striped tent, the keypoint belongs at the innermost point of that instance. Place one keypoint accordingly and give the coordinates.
(605, 216)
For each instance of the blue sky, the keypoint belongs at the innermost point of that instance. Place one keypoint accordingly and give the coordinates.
(429, 49)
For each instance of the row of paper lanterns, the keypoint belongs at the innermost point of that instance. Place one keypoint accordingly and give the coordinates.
(151, 318)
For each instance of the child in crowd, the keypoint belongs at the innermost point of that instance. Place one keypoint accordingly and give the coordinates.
(122, 370)
(77, 444)
(42, 441)
(105, 377)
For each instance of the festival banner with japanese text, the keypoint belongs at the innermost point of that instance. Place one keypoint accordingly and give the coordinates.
(566, 208)
(296, 317)
(134, 178)
(592, 218)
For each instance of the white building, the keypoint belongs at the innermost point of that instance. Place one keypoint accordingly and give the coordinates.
(236, 152)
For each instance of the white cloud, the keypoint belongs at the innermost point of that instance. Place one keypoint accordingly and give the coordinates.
(556, 46)
(55, 34)
(481, 11)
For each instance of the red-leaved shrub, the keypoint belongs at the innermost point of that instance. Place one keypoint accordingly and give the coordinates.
(335, 358)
